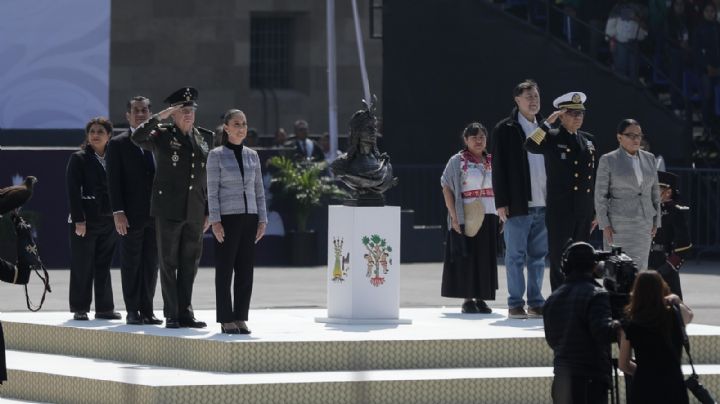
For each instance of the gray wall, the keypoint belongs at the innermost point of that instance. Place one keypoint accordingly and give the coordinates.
(159, 46)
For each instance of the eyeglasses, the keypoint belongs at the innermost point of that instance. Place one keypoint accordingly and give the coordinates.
(633, 136)
(575, 113)
(187, 110)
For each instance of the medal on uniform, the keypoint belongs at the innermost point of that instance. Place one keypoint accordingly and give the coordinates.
(175, 158)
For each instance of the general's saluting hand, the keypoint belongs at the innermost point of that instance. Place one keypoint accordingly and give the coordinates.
(165, 113)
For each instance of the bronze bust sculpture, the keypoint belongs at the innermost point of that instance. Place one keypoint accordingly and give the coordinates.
(366, 171)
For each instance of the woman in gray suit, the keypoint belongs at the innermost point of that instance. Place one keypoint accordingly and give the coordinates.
(236, 202)
(627, 197)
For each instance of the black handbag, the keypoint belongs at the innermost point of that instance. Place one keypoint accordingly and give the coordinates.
(693, 382)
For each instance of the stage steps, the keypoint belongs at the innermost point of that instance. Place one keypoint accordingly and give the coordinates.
(441, 357)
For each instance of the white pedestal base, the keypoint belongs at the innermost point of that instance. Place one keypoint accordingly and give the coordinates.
(363, 272)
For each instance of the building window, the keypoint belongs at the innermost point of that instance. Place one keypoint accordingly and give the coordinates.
(270, 52)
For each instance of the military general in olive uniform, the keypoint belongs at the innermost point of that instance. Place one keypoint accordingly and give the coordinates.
(179, 200)
(570, 166)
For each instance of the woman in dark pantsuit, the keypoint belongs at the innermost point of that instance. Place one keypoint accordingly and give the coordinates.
(236, 202)
(92, 230)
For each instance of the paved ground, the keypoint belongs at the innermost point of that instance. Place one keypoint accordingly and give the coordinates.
(305, 287)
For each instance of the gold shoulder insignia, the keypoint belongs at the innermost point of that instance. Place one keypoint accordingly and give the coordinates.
(538, 135)
(682, 207)
(205, 131)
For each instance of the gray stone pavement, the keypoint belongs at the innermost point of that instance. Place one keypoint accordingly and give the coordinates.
(305, 288)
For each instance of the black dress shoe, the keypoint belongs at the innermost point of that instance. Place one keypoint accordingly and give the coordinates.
(483, 307)
(231, 330)
(172, 323)
(151, 319)
(80, 316)
(470, 307)
(242, 327)
(192, 323)
(108, 315)
(133, 318)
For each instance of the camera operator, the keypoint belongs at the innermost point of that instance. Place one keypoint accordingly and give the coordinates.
(579, 328)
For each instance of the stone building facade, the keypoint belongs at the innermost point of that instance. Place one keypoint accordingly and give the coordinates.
(266, 57)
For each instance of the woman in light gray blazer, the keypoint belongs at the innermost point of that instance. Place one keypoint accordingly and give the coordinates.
(627, 196)
(236, 201)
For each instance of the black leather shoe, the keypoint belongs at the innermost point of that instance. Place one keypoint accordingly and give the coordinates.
(80, 316)
(242, 327)
(108, 315)
(230, 330)
(133, 318)
(192, 323)
(470, 307)
(172, 323)
(151, 319)
(482, 307)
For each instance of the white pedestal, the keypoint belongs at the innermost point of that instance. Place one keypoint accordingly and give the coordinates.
(363, 272)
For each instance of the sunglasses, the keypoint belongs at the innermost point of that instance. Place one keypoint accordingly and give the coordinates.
(575, 113)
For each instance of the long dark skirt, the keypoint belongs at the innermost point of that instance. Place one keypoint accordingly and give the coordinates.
(3, 368)
(470, 270)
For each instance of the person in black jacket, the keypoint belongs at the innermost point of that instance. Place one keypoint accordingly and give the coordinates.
(92, 231)
(579, 328)
(519, 184)
(570, 167)
(179, 200)
(130, 172)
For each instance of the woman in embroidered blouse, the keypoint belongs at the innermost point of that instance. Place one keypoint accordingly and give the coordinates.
(236, 202)
(470, 267)
(92, 230)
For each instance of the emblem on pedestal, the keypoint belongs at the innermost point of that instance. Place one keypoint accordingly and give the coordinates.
(342, 264)
(377, 257)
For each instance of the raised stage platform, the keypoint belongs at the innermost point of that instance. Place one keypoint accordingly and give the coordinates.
(442, 357)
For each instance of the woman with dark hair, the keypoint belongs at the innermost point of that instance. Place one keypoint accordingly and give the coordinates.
(653, 332)
(236, 201)
(470, 267)
(627, 196)
(92, 229)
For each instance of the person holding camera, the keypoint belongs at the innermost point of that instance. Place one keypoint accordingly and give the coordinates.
(579, 328)
(653, 332)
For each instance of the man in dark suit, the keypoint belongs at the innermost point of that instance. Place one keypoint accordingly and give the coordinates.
(306, 149)
(179, 200)
(570, 167)
(130, 171)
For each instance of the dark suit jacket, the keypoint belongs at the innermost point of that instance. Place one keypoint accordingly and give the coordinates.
(130, 178)
(300, 153)
(180, 186)
(87, 187)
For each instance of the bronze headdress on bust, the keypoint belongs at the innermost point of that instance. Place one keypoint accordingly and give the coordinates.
(366, 171)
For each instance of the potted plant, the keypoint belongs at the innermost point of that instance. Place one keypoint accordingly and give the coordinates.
(302, 186)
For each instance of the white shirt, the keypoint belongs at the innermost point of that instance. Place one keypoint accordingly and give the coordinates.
(536, 162)
(636, 166)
